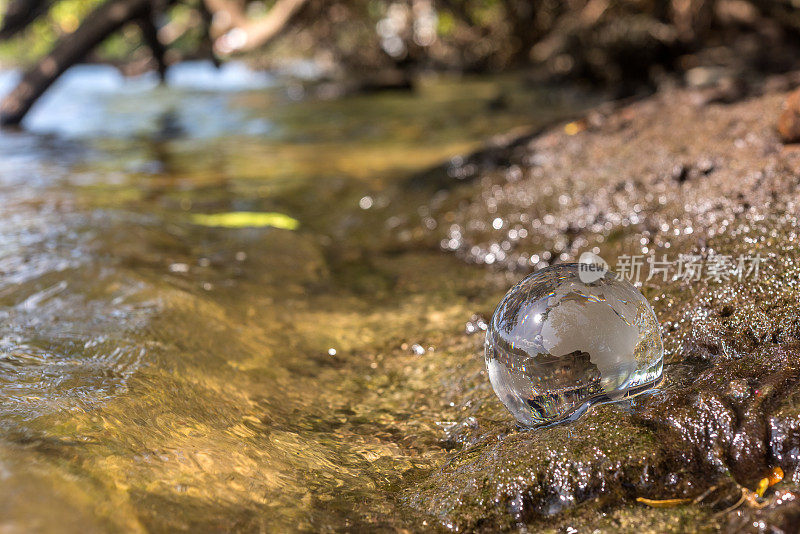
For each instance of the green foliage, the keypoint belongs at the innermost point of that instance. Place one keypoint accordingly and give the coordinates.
(65, 16)
(446, 24)
(36, 40)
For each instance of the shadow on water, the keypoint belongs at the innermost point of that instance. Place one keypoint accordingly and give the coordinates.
(158, 374)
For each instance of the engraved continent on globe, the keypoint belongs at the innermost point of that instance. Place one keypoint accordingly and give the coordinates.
(556, 345)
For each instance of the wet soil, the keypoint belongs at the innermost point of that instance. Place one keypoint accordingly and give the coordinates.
(667, 175)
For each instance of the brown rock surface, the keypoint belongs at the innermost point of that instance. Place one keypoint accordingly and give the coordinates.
(661, 176)
(789, 121)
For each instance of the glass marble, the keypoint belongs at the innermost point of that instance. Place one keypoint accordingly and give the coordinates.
(556, 345)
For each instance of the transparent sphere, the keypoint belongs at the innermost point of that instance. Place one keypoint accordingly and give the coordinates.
(557, 345)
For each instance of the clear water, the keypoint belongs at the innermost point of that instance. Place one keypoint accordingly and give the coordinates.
(557, 345)
(157, 375)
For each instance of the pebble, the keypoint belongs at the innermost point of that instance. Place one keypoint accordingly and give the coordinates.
(789, 121)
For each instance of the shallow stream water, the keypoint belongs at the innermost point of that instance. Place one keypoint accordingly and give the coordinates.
(161, 375)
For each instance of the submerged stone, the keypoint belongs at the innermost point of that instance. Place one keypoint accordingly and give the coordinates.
(560, 342)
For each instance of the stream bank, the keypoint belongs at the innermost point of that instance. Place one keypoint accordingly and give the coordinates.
(668, 175)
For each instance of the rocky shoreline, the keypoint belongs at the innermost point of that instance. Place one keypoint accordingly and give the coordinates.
(669, 175)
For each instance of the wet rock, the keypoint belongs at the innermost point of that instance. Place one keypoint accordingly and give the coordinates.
(657, 178)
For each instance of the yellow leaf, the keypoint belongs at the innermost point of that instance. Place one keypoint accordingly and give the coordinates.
(776, 476)
(246, 219)
(662, 503)
(763, 484)
(573, 128)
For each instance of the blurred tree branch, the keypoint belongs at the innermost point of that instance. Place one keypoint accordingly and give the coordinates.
(19, 15)
(242, 34)
(623, 44)
(150, 36)
(70, 49)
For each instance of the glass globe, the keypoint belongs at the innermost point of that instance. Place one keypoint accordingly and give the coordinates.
(556, 345)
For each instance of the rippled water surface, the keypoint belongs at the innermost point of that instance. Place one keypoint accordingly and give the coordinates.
(156, 374)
